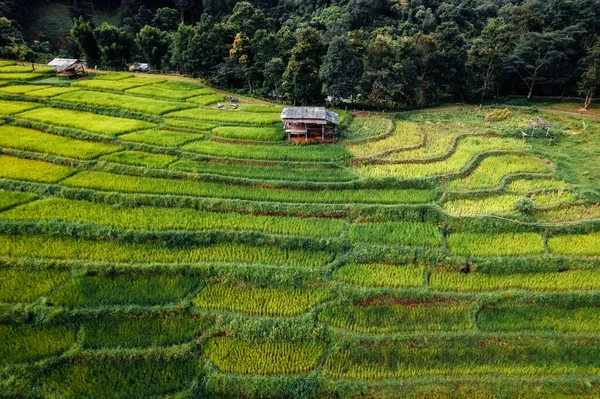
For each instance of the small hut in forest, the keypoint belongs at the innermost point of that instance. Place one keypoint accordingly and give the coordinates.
(312, 124)
(68, 67)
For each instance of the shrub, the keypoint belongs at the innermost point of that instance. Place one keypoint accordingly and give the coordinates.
(525, 206)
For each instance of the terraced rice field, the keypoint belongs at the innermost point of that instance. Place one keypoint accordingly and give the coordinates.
(152, 246)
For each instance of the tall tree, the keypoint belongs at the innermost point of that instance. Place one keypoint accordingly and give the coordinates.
(82, 35)
(301, 79)
(115, 44)
(154, 45)
(341, 70)
(166, 19)
(273, 72)
(590, 80)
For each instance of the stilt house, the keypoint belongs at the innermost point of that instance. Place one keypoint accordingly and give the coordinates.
(67, 67)
(311, 124)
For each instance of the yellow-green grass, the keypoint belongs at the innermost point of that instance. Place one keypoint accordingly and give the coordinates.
(188, 125)
(363, 127)
(20, 286)
(281, 172)
(10, 198)
(281, 302)
(572, 213)
(466, 150)
(145, 80)
(387, 314)
(158, 91)
(540, 314)
(553, 198)
(206, 99)
(122, 290)
(578, 280)
(100, 124)
(163, 138)
(140, 158)
(13, 107)
(490, 171)
(273, 109)
(114, 76)
(381, 275)
(113, 85)
(21, 89)
(396, 233)
(576, 244)
(504, 203)
(5, 63)
(140, 332)
(495, 244)
(33, 140)
(130, 103)
(311, 153)
(31, 170)
(25, 343)
(250, 133)
(110, 251)
(177, 85)
(406, 135)
(25, 77)
(233, 117)
(51, 92)
(526, 185)
(170, 218)
(464, 355)
(136, 184)
(16, 69)
(237, 356)
(132, 377)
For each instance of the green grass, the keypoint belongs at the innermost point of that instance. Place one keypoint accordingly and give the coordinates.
(130, 103)
(25, 343)
(14, 107)
(282, 172)
(250, 133)
(110, 251)
(141, 332)
(30, 170)
(381, 275)
(19, 286)
(237, 356)
(163, 138)
(540, 314)
(578, 244)
(120, 379)
(170, 218)
(36, 141)
(495, 244)
(140, 158)
(480, 282)
(279, 302)
(100, 124)
(233, 117)
(5, 63)
(51, 92)
(398, 233)
(306, 153)
(206, 99)
(387, 314)
(123, 289)
(132, 184)
(188, 125)
(21, 89)
(9, 198)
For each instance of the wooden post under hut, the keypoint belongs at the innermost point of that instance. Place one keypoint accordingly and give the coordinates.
(310, 124)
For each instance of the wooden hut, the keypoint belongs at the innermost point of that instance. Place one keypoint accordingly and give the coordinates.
(312, 124)
(68, 67)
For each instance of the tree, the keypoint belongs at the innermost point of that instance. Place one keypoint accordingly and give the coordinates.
(241, 52)
(590, 80)
(82, 8)
(166, 19)
(143, 17)
(82, 35)
(246, 19)
(115, 44)
(341, 70)
(485, 58)
(427, 68)
(301, 79)
(154, 45)
(274, 70)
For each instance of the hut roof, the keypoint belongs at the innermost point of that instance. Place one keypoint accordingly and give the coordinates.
(316, 113)
(60, 64)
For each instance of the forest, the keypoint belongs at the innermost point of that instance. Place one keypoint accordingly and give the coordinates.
(383, 53)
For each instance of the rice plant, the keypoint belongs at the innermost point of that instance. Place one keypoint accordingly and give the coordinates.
(482, 206)
(250, 133)
(20, 286)
(526, 185)
(140, 158)
(114, 76)
(100, 124)
(24, 77)
(406, 135)
(281, 302)
(14, 107)
(135, 184)
(116, 85)
(275, 109)
(237, 356)
(381, 275)
(36, 141)
(31, 170)
(405, 233)
(188, 125)
(10, 198)
(163, 138)
(170, 218)
(233, 117)
(571, 213)
(25, 343)
(495, 244)
(363, 127)
(576, 244)
(206, 99)
(171, 91)
(20, 89)
(51, 91)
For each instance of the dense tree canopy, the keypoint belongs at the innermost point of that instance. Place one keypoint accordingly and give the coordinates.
(378, 52)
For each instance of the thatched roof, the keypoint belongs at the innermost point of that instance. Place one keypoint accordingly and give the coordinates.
(310, 113)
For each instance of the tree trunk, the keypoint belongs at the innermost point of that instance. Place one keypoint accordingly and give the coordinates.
(588, 100)
(530, 92)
